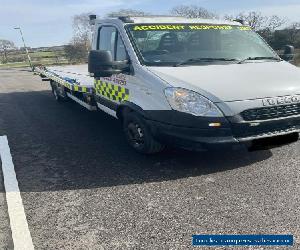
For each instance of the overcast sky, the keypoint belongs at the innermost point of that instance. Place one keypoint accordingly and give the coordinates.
(49, 22)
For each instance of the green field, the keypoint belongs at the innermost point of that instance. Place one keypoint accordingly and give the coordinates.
(19, 59)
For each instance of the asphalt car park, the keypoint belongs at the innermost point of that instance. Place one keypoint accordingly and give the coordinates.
(82, 187)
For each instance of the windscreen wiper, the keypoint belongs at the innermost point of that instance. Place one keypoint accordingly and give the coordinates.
(260, 58)
(204, 59)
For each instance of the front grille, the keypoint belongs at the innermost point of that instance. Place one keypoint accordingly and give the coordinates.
(269, 113)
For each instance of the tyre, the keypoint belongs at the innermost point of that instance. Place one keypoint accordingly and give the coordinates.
(57, 94)
(138, 134)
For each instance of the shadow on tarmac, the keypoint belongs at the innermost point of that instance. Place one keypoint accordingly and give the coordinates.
(62, 146)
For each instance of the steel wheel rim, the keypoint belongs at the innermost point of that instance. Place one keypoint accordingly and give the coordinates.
(135, 134)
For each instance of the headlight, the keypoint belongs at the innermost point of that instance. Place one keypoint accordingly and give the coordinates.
(187, 101)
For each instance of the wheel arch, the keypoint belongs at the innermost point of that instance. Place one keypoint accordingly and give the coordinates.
(125, 107)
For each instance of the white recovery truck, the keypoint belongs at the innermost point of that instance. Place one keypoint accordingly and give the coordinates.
(190, 83)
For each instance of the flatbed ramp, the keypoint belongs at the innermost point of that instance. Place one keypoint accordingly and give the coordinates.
(75, 77)
(71, 81)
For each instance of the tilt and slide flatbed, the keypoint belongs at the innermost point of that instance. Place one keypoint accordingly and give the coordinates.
(74, 82)
(197, 84)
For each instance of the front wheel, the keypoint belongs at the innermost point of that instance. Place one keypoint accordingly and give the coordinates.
(139, 136)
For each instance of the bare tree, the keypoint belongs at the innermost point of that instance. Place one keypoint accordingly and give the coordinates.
(274, 22)
(76, 53)
(257, 21)
(193, 11)
(82, 30)
(5, 46)
(254, 19)
(267, 31)
(127, 12)
(293, 33)
(80, 44)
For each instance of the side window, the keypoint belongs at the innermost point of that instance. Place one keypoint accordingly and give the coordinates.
(109, 39)
(121, 54)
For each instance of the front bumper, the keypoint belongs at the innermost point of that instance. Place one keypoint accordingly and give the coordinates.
(192, 138)
(232, 134)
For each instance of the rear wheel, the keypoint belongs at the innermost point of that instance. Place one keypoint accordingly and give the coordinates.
(57, 94)
(139, 136)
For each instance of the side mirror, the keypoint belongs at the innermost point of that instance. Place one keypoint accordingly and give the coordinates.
(289, 53)
(101, 64)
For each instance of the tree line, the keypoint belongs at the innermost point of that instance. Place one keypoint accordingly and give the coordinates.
(5, 47)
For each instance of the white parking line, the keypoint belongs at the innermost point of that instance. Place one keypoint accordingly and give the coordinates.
(18, 223)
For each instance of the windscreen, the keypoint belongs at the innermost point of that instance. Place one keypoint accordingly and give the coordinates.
(170, 44)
